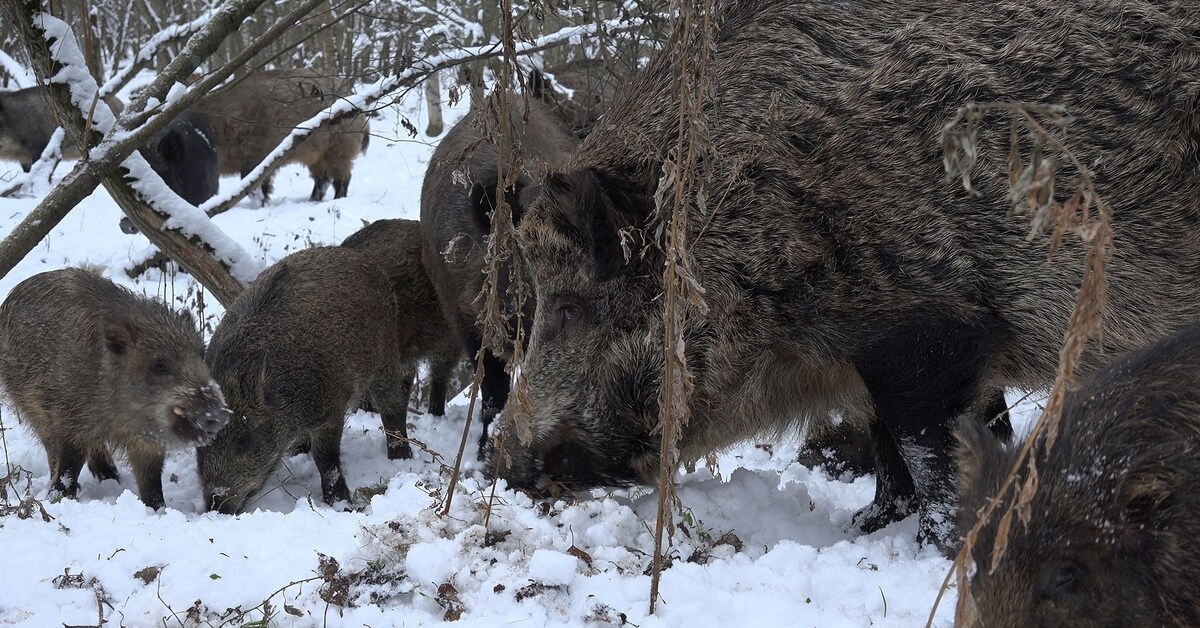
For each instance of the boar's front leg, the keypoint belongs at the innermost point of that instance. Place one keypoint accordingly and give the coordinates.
(326, 443)
(921, 378)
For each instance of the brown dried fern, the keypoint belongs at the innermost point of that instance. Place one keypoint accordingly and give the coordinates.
(498, 130)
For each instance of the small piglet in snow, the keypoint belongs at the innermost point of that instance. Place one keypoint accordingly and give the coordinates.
(89, 365)
(424, 332)
(1114, 533)
(311, 335)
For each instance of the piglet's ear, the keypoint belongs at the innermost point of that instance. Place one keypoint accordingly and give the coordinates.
(1150, 486)
(119, 336)
(596, 207)
(983, 461)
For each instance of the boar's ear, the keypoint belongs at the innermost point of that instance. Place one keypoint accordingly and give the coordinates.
(483, 200)
(528, 195)
(119, 336)
(982, 464)
(1150, 485)
(171, 148)
(596, 206)
(186, 316)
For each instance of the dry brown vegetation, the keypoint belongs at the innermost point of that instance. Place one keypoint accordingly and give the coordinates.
(1032, 178)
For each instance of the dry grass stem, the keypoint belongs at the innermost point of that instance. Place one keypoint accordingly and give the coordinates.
(1083, 213)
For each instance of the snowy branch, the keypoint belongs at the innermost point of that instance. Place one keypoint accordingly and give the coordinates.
(179, 229)
(370, 94)
(20, 74)
(145, 55)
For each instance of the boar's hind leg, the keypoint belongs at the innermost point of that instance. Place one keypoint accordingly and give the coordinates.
(320, 183)
(493, 389)
(66, 461)
(390, 395)
(147, 463)
(921, 378)
(341, 186)
(440, 374)
(326, 452)
(100, 463)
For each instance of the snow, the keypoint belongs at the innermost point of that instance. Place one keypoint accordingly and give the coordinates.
(19, 75)
(762, 542)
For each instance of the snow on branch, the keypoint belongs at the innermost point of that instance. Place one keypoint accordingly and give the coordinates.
(20, 74)
(181, 215)
(146, 53)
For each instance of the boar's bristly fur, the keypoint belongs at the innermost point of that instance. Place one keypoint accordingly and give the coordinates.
(841, 270)
(1114, 532)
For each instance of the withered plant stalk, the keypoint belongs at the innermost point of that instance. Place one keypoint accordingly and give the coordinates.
(683, 297)
(1084, 213)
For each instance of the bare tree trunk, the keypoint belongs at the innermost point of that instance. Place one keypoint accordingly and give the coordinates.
(193, 254)
(90, 47)
(433, 105)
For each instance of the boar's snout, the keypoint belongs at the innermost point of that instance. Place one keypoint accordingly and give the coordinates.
(198, 416)
(563, 462)
(223, 503)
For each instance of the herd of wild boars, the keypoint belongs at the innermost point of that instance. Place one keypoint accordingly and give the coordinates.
(842, 274)
(229, 131)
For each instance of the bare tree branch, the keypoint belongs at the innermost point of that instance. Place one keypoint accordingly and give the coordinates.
(194, 252)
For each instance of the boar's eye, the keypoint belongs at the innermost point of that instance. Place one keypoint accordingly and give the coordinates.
(161, 369)
(1063, 578)
(568, 316)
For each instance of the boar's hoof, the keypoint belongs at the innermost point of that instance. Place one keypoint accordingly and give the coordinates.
(334, 489)
(402, 451)
(875, 517)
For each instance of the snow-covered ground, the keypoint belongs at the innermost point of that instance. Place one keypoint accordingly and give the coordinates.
(763, 544)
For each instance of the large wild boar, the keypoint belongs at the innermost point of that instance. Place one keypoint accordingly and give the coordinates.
(252, 116)
(1114, 533)
(457, 198)
(89, 365)
(841, 270)
(313, 334)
